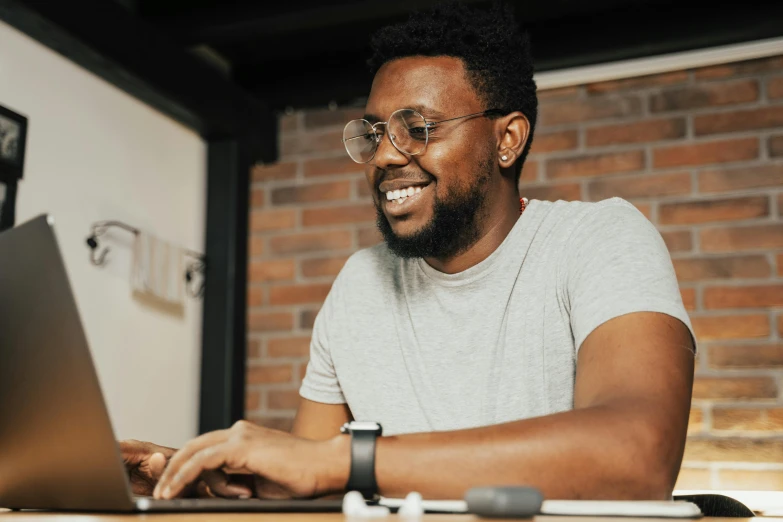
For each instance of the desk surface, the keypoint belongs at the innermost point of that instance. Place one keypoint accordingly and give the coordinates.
(302, 517)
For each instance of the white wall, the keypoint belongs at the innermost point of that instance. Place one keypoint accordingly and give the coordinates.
(96, 153)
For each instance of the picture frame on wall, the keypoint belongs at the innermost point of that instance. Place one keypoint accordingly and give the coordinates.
(13, 139)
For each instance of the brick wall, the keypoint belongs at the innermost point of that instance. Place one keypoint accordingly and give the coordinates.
(700, 152)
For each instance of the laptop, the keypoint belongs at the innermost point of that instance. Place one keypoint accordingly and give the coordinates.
(57, 447)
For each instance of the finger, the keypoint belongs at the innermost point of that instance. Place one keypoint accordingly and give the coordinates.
(188, 450)
(213, 457)
(157, 465)
(224, 485)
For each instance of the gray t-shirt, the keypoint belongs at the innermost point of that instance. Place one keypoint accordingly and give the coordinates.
(419, 350)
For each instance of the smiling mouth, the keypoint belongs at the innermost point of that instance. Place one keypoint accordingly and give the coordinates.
(399, 196)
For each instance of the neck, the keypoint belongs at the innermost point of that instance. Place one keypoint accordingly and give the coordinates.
(497, 224)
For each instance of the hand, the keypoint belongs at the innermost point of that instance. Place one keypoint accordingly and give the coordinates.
(279, 465)
(145, 463)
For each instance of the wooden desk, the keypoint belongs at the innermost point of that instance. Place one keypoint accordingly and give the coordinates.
(301, 517)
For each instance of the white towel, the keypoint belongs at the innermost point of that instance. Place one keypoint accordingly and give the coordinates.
(158, 269)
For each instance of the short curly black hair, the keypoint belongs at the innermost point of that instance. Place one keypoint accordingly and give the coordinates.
(495, 51)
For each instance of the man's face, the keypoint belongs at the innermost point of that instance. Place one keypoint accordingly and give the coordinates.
(451, 178)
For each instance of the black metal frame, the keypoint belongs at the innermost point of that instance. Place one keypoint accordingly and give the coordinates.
(105, 38)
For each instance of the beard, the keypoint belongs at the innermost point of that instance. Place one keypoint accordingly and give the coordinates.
(455, 223)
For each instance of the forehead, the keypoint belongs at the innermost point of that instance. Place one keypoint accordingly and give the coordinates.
(436, 82)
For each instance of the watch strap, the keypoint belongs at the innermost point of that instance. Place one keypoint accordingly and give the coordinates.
(362, 478)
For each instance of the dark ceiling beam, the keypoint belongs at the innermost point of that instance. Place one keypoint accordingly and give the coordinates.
(105, 38)
(248, 24)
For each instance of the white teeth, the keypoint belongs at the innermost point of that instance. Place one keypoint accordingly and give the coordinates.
(400, 195)
(390, 195)
(417, 190)
(411, 191)
(397, 194)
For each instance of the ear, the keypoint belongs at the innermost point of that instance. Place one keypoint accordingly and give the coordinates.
(512, 130)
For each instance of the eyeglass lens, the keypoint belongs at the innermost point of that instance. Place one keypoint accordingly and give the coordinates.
(406, 127)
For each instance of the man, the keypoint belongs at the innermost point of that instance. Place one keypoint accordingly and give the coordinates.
(495, 344)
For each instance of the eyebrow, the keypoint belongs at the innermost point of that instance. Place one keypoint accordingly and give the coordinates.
(428, 112)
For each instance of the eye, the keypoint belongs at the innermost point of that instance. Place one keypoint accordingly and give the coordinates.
(418, 132)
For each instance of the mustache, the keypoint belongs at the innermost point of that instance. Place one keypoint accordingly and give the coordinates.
(381, 175)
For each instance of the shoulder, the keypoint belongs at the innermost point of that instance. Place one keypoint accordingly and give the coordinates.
(571, 218)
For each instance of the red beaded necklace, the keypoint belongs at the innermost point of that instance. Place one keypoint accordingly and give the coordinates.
(522, 205)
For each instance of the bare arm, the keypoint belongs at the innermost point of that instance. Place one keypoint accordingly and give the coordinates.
(318, 421)
(623, 440)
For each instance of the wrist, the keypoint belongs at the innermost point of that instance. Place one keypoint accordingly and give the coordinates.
(337, 464)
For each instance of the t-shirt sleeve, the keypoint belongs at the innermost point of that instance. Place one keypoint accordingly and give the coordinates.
(320, 383)
(617, 263)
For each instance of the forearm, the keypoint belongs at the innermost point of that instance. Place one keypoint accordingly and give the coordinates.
(593, 453)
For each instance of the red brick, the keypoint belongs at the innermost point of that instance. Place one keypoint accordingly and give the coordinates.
(257, 198)
(735, 388)
(705, 95)
(281, 423)
(311, 143)
(274, 270)
(641, 186)
(563, 92)
(706, 153)
(743, 296)
(645, 209)
(288, 347)
(739, 68)
(288, 122)
(734, 267)
(363, 188)
(731, 326)
(270, 322)
(256, 246)
(338, 215)
(776, 146)
(695, 421)
(282, 399)
(564, 191)
(332, 166)
(746, 356)
(298, 294)
(636, 132)
(780, 259)
(738, 121)
(253, 349)
(747, 419)
(270, 373)
(727, 239)
(775, 88)
(314, 192)
(264, 220)
(323, 266)
(310, 242)
(705, 211)
(283, 170)
(750, 479)
(368, 237)
(255, 296)
(693, 479)
(678, 241)
(529, 172)
(734, 450)
(567, 111)
(328, 118)
(252, 401)
(595, 164)
(742, 178)
(554, 141)
(302, 371)
(307, 318)
(688, 298)
(639, 82)
(780, 325)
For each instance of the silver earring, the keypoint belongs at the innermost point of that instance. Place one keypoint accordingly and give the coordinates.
(504, 157)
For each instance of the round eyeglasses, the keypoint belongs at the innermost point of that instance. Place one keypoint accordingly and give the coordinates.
(408, 131)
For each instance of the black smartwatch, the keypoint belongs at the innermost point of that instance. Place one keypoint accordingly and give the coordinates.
(362, 477)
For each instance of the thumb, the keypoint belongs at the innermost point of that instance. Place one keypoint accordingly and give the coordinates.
(157, 463)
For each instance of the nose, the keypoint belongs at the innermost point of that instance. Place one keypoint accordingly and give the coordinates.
(387, 155)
